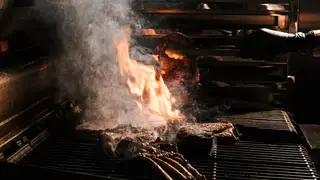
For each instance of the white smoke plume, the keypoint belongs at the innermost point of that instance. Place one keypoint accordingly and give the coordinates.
(88, 69)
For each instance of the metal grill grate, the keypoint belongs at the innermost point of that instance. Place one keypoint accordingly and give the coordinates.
(72, 155)
(247, 160)
(244, 160)
(266, 126)
(266, 120)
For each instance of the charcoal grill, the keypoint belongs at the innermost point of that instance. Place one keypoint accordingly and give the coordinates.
(76, 152)
(270, 146)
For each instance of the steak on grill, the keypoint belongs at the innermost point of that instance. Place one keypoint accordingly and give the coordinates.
(200, 139)
(110, 139)
(127, 141)
(141, 149)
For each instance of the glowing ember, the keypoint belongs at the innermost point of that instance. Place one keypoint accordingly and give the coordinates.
(174, 55)
(145, 82)
(149, 32)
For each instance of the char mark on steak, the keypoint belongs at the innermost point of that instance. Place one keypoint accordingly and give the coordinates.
(201, 138)
(139, 147)
(142, 150)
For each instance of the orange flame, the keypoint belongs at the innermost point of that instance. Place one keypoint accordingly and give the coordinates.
(144, 81)
(149, 32)
(174, 55)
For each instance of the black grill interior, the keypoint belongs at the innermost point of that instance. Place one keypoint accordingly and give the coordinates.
(78, 152)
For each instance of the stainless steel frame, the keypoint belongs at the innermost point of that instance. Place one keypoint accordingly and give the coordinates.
(235, 14)
(232, 19)
(246, 15)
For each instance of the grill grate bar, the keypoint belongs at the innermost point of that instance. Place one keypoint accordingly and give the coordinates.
(70, 150)
(257, 153)
(260, 167)
(264, 149)
(64, 148)
(73, 166)
(273, 158)
(53, 160)
(70, 155)
(89, 171)
(235, 165)
(237, 178)
(255, 177)
(245, 160)
(274, 161)
(70, 143)
(71, 146)
(261, 172)
(259, 144)
(249, 144)
(255, 169)
(64, 154)
(231, 175)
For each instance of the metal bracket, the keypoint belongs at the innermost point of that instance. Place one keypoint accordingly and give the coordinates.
(288, 121)
(19, 143)
(25, 139)
(20, 154)
(37, 140)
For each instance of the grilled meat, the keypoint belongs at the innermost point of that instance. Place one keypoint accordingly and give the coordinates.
(204, 137)
(141, 149)
(112, 140)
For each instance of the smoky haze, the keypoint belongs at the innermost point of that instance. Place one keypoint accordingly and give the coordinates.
(87, 68)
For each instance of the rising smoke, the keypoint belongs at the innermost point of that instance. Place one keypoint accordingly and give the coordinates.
(88, 69)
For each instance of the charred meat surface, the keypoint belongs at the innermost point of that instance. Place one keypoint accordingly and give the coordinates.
(124, 135)
(141, 149)
(204, 137)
